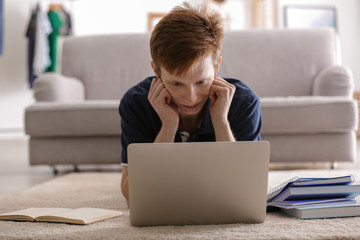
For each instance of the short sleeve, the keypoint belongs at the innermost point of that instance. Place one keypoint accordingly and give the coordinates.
(139, 122)
(245, 115)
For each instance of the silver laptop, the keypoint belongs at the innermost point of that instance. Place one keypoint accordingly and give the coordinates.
(198, 183)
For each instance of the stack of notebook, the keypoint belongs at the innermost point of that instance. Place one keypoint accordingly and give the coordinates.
(316, 197)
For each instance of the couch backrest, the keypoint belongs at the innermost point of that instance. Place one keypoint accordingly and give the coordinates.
(107, 64)
(271, 62)
(278, 62)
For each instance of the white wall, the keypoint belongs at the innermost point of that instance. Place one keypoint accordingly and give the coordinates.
(14, 92)
(111, 16)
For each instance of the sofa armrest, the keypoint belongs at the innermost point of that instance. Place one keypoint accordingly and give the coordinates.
(54, 87)
(334, 81)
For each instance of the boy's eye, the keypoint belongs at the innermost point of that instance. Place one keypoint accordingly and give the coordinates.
(202, 82)
(177, 84)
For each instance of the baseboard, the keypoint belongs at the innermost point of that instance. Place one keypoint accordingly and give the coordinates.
(11, 130)
(15, 132)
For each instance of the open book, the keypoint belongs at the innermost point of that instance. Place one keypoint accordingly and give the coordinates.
(61, 215)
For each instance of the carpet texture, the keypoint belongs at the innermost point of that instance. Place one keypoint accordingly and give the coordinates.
(103, 190)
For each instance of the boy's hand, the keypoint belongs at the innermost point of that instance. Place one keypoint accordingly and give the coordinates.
(160, 99)
(221, 95)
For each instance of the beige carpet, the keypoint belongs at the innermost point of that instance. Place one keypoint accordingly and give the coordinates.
(102, 190)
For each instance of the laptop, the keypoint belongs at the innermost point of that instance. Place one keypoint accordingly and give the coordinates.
(198, 183)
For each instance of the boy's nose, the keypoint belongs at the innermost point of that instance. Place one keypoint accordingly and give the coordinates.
(191, 95)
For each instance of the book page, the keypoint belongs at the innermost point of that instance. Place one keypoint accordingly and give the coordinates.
(276, 190)
(81, 215)
(30, 214)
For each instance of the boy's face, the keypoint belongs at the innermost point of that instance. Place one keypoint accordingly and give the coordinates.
(190, 91)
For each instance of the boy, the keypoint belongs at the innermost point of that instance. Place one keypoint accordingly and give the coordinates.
(187, 100)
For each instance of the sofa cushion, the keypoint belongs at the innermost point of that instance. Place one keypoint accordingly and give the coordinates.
(308, 114)
(88, 118)
(281, 115)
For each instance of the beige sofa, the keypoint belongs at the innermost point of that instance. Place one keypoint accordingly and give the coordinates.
(306, 96)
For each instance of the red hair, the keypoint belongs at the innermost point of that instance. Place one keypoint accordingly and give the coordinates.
(185, 36)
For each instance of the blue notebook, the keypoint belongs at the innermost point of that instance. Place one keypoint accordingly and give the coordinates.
(319, 192)
(312, 202)
(301, 182)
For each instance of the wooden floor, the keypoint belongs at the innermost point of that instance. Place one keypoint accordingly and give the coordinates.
(16, 174)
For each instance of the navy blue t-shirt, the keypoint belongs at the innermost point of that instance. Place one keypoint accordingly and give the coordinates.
(141, 124)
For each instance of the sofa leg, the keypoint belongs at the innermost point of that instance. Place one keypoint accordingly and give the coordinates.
(55, 170)
(334, 165)
(76, 168)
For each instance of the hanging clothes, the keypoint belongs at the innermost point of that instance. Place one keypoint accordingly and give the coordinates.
(38, 46)
(42, 33)
(41, 56)
(30, 34)
(67, 28)
(61, 25)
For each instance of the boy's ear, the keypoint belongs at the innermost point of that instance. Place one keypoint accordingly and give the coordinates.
(154, 69)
